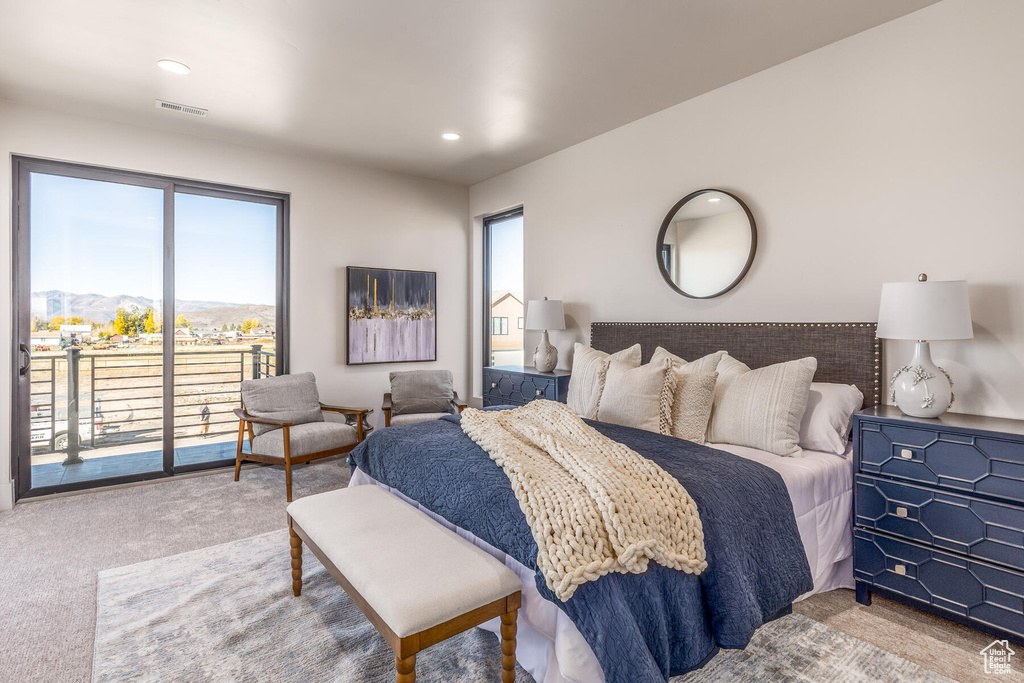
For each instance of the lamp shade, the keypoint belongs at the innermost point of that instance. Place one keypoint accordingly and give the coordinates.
(544, 314)
(925, 311)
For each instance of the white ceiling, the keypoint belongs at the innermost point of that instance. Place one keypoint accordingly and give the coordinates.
(377, 81)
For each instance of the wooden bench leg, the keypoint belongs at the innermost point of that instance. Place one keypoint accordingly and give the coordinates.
(406, 669)
(296, 562)
(508, 646)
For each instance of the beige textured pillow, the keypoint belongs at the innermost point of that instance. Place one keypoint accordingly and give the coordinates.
(701, 366)
(588, 372)
(638, 397)
(691, 405)
(763, 408)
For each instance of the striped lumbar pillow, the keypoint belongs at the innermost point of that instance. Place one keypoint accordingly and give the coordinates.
(763, 408)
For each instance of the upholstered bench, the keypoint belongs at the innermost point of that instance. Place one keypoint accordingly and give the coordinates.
(416, 581)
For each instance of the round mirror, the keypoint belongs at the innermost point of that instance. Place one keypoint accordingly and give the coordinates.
(706, 244)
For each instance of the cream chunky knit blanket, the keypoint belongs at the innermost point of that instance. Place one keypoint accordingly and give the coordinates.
(594, 506)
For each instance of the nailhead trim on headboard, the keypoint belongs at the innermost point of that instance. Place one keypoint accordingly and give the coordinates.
(847, 353)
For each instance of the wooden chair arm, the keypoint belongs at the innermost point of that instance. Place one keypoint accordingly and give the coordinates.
(242, 415)
(358, 412)
(459, 403)
(385, 407)
(341, 409)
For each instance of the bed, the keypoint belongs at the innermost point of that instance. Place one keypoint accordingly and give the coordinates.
(609, 632)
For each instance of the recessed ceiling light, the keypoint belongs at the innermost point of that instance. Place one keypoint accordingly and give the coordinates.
(173, 66)
(714, 200)
(451, 136)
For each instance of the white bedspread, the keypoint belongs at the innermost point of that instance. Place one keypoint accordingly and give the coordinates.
(820, 485)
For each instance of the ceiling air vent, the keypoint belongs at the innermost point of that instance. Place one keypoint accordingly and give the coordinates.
(181, 108)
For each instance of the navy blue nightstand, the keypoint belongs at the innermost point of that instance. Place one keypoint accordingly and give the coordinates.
(517, 385)
(939, 515)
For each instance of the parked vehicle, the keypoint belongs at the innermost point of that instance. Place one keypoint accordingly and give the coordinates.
(41, 429)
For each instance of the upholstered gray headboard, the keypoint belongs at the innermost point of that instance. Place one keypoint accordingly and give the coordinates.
(847, 353)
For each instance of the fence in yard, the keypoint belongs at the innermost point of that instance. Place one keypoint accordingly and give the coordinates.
(117, 398)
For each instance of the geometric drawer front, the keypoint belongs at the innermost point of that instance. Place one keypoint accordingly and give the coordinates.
(973, 527)
(972, 464)
(990, 595)
(513, 388)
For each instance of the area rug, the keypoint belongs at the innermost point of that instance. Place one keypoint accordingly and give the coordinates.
(227, 613)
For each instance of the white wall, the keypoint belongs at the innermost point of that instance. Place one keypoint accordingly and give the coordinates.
(893, 152)
(340, 216)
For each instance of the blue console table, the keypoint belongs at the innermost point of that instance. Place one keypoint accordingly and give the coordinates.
(939, 515)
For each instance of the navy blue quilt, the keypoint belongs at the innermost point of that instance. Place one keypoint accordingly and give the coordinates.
(642, 627)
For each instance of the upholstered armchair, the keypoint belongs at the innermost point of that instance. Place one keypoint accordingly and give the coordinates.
(420, 396)
(285, 422)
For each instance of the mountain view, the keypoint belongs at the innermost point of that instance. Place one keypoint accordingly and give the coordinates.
(100, 309)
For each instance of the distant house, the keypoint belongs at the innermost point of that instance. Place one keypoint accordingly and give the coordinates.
(507, 313)
(76, 334)
(183, 335)
(151, 337)
(45, 338)
(116, 338)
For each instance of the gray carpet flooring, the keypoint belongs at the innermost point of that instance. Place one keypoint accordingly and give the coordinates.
(51, 552)
(154, 622)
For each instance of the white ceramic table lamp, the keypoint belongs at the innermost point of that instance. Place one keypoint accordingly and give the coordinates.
(545, 315)
(923, 311)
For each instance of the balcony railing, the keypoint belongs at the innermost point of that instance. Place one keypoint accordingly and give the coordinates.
(112, 399)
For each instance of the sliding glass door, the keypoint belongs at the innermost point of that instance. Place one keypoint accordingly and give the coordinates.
(225, 282)
(140, 303)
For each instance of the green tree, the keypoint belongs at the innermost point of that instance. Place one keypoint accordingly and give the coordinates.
(224, 327)
(181, 321)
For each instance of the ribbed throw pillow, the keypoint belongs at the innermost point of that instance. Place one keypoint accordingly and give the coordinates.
(691, 405)
(638, 397)
(763, 408)
(588, 373)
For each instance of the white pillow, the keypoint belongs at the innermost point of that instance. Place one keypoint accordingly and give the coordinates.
(829, 416)
(588, 372)
(639, 397)
(701, 366)
(763, 408)
(728, 369)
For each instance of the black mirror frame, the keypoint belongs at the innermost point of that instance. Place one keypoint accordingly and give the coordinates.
(664, 229)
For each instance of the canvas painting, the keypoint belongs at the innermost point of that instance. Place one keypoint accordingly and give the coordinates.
(392, 316)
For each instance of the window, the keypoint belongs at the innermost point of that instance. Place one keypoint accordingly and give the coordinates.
(141, 302)
(503, 288)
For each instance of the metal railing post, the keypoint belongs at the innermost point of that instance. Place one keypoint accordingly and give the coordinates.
(73, 360)
(256, 360)
(92, 402)
(53, 403)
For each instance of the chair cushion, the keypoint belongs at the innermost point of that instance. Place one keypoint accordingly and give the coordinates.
(312, 437)
(288, 397)
(413, 572)
(422, 391)
(413, 418)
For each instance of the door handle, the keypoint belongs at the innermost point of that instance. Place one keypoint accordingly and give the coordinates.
(23, 370)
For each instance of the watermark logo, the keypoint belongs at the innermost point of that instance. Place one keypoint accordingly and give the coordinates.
(997, 657)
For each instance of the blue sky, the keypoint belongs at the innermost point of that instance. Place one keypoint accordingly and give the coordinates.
(92, 237)
(507, 255)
